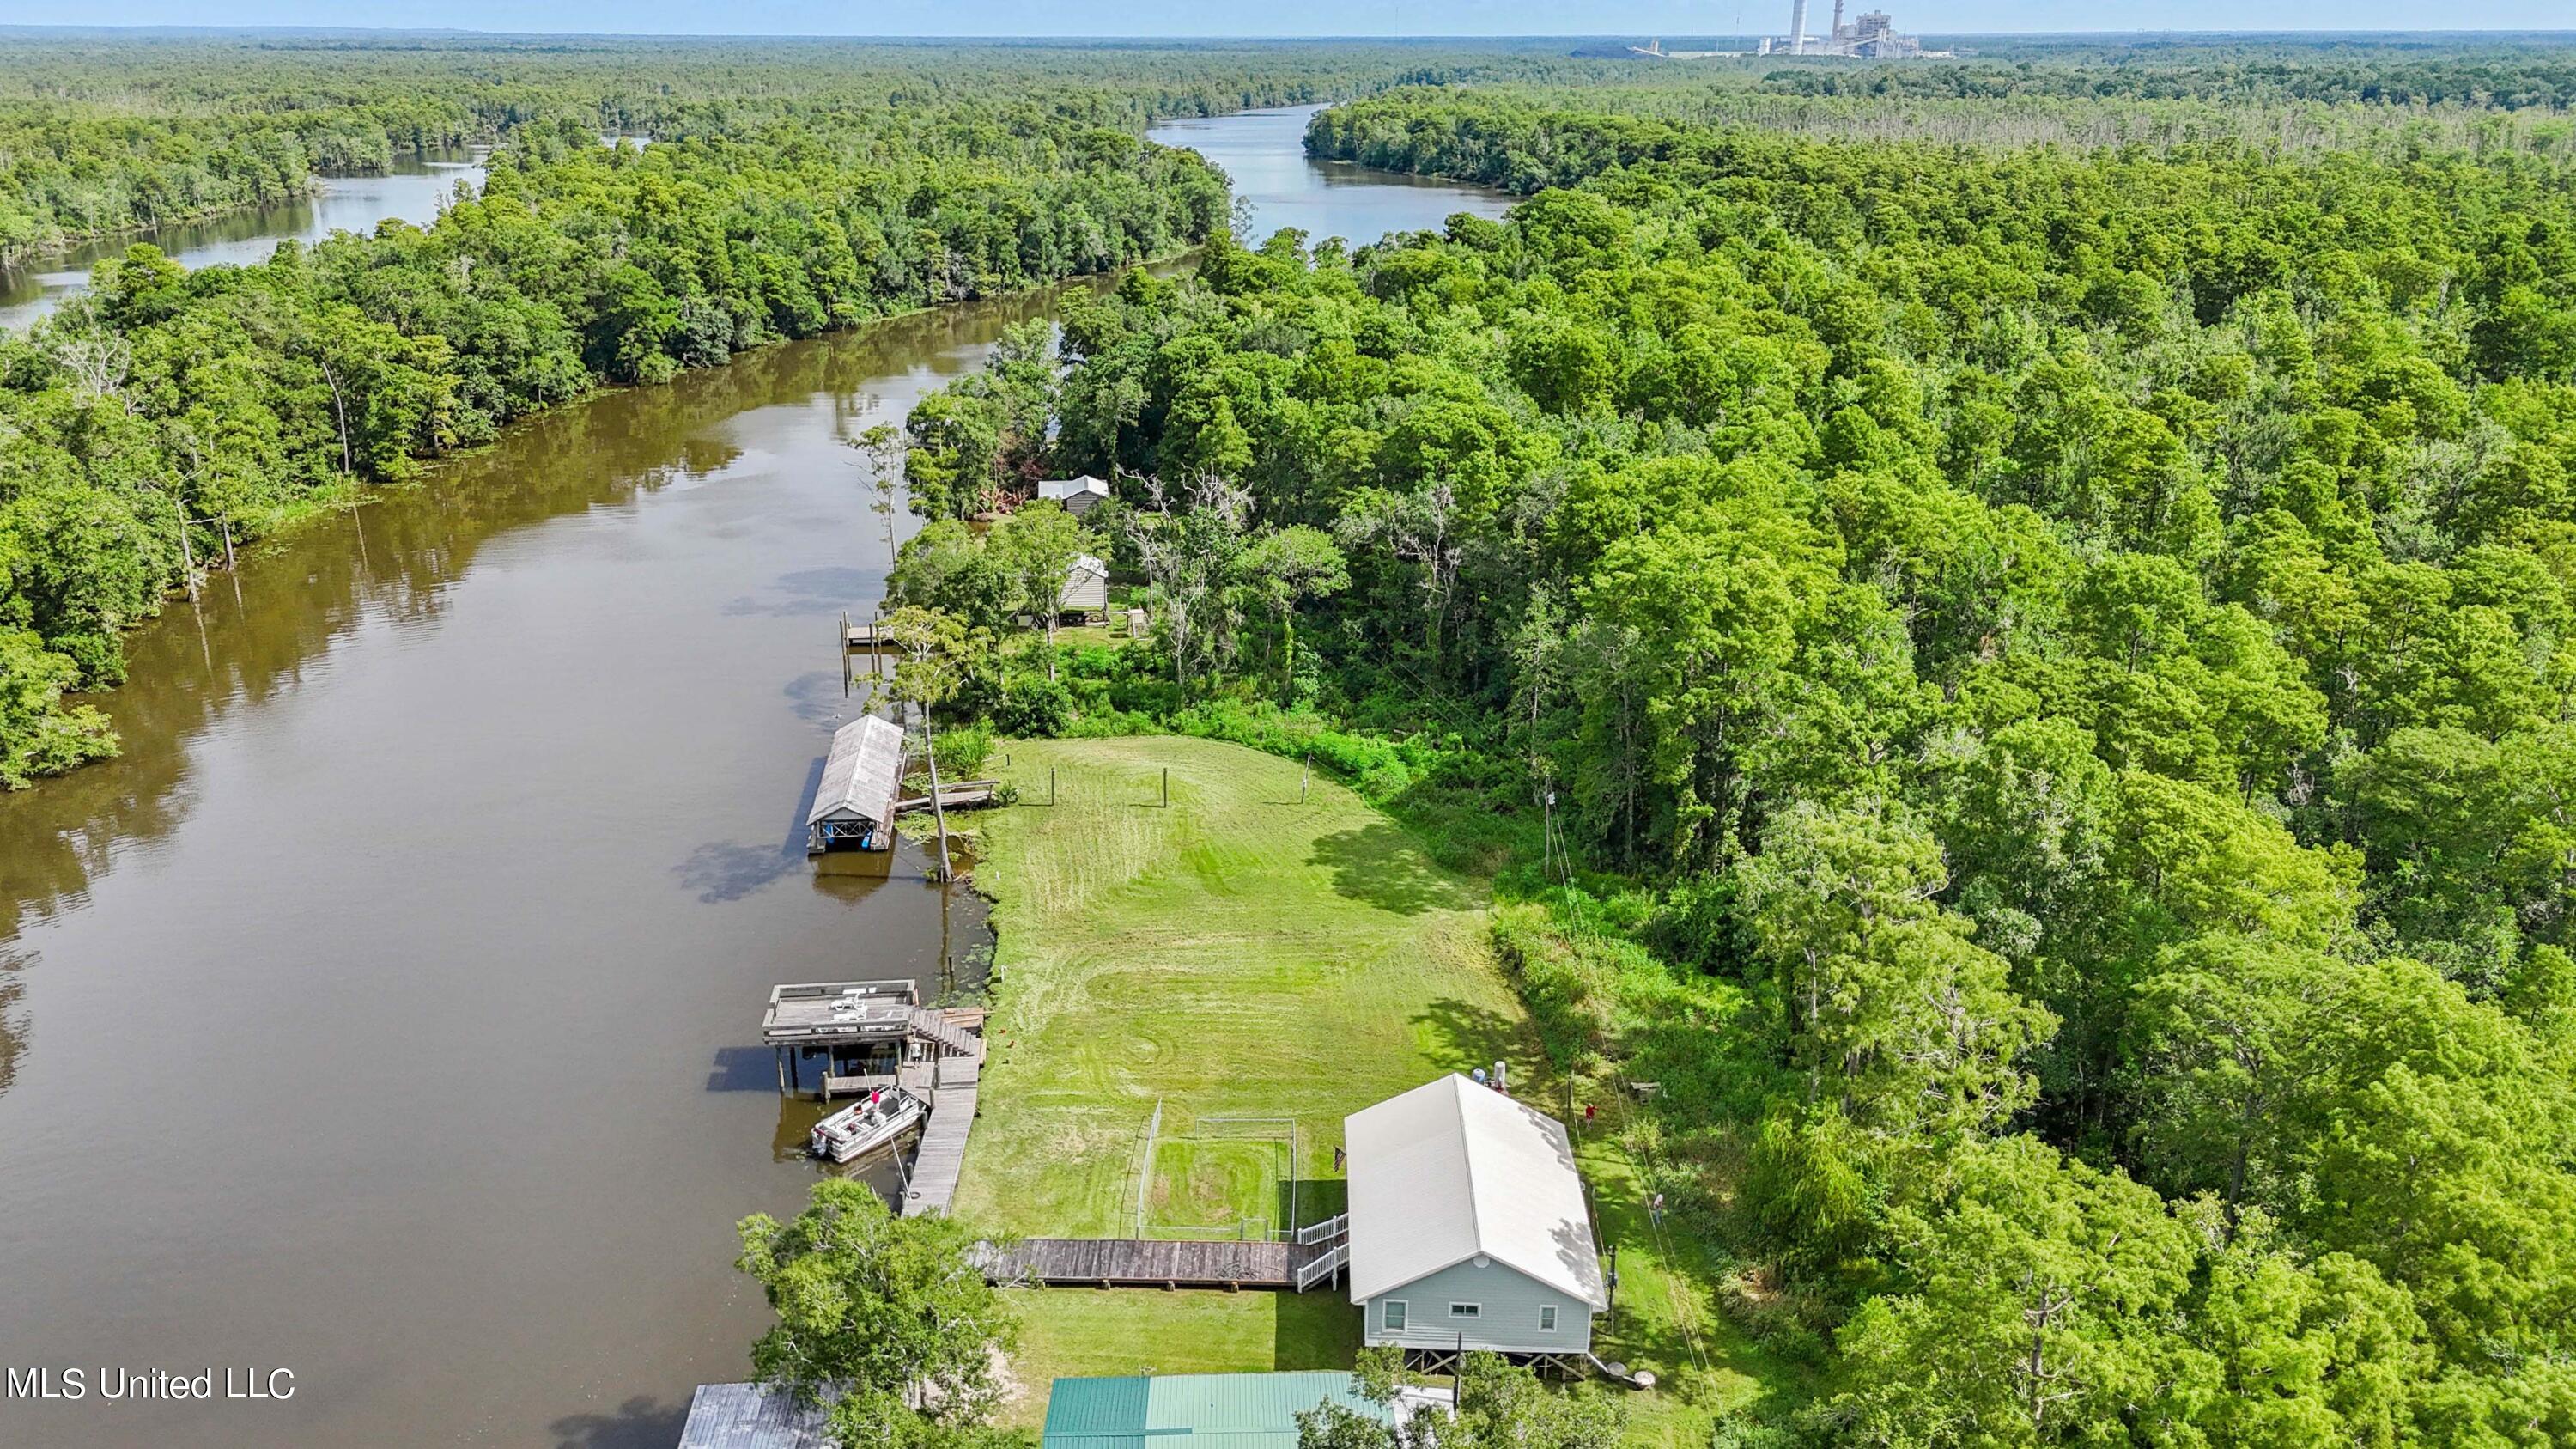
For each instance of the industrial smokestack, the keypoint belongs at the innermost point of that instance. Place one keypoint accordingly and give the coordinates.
(1836, 34)
(1797, 26)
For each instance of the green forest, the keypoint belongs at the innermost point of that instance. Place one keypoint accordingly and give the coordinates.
(2027, 686)
(758, 191)
(2007, 627)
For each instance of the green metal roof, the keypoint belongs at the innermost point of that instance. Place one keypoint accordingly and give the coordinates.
(1211, 1411)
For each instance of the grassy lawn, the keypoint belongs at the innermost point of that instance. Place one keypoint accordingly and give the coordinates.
(1238, 956)
(1192, 998)
(1070, 1332)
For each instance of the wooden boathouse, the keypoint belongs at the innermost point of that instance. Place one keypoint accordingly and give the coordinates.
(872, 1034)
(855, 804)
(865, 1032)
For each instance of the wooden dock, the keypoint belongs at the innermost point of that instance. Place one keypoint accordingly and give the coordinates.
(956, 795)
(942, 1154)
(1151, 1263)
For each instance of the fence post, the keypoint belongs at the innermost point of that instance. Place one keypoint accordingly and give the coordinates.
(1050, 786)
(1307, 772)
(1167, 787)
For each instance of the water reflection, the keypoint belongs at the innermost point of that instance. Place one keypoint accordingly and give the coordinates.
(475, 811)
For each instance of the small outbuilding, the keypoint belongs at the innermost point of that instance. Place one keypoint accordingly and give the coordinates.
(1468, 1227)
(863, 775)
(1086, 588)
(1078, 495)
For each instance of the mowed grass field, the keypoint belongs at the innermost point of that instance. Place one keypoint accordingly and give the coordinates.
(1258, 966)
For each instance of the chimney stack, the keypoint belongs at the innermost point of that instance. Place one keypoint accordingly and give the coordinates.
(1797, 27)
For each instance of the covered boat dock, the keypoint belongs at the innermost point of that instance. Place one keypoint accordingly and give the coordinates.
(855, 803)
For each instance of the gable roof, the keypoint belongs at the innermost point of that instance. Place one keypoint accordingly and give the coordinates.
(1451, 1171)
(1085, 564)
(1211, 1411)
(860, 774)
(1063, 488)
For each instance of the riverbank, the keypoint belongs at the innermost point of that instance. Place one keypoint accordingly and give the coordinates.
(1187, 992)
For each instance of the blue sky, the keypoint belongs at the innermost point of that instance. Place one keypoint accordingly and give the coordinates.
(1314, 17)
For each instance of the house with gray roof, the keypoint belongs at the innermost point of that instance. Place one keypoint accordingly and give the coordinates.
(1078, 495)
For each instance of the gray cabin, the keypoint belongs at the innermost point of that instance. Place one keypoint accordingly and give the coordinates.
(854, 804)
(1468, 1228)
(1078, 495)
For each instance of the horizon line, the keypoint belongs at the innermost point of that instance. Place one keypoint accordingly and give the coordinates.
(451, 32)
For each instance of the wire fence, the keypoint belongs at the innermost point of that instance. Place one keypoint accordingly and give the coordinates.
(1203, 1162)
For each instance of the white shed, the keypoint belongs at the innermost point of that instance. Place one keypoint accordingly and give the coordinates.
(1086, 587)
(1078, 495)
(855, 801)
(1468, 1228)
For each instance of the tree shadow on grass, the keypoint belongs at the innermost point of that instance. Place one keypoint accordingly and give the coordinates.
(1464, 1036)
(1384, 866)
(639, 1423)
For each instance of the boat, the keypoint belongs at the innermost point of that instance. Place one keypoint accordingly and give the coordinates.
(863, 1127)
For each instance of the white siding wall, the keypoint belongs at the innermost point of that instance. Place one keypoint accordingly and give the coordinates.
(1508, 1320)
(1086, 590)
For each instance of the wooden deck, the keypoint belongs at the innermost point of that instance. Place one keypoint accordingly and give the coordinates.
(1150, 1263)
(941, 1157)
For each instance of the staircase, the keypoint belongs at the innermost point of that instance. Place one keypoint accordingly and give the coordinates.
(946, 1036)
(1333, 1232)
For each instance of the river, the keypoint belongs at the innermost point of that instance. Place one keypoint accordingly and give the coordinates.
(414, 190)
(388, 1011)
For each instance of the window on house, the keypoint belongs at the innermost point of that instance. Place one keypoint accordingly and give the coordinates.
(1547, 1318)
(1466, 1310)
(1393, 1314)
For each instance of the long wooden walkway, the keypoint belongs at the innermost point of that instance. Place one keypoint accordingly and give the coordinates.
(942, 1157)
(1150, 1263)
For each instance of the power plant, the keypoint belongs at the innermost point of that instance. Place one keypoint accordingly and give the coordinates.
(1872, 36)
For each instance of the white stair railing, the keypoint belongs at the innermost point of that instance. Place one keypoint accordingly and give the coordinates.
(1338, 1225)
(1324, 1267)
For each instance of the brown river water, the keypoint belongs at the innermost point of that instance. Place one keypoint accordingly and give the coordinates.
(388, 1013)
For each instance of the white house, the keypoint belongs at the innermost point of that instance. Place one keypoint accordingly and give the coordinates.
(1086, 588)
(1078, 495)
(1468, 1228)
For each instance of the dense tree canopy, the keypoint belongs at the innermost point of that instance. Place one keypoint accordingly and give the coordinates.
(2059, 650)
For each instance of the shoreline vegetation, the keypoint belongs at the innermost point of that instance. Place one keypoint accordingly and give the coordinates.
(793, 188)
(166, 402)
